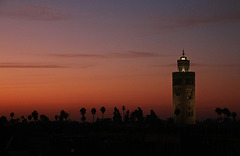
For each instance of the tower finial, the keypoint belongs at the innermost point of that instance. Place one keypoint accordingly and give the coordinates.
(183, 52)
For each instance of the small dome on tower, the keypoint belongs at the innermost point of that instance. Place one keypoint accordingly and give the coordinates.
(183, 56)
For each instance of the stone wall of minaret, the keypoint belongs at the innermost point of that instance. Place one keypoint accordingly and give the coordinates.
(183, 83)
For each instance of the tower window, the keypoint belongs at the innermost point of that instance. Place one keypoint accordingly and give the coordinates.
(189, 93)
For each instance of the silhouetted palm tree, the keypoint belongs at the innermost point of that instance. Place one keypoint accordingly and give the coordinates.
(35, 115)
(12, 115)
(83, 118)
(93, 111)
(56, 117)
(63, 115)
(219, 111)
(103, 111)
(225, 111)
(227, 114)
(66, 116)
(83, 112)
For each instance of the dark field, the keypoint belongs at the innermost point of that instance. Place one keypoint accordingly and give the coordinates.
(110, 138)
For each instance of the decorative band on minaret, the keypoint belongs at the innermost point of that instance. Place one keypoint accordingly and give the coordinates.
(184, 92)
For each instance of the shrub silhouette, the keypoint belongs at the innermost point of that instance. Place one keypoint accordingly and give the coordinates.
(12, 115)
(117, 115)
(35, 115)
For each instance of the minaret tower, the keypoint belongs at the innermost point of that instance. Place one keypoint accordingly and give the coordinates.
(184, 93)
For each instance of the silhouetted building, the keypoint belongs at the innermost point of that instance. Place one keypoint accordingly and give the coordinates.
(184, 93)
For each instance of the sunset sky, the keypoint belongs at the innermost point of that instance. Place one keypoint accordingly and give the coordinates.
(69, 54)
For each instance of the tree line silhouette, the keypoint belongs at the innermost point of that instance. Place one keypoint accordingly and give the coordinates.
(125, 116)
(224, 116)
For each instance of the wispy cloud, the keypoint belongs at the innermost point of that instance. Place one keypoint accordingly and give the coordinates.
(128, 54)
(203, 65)
(179, 22)
(226, 65)
(133, 54)
(31, 12)
(30, 65)
(165, 65)
(78, 55)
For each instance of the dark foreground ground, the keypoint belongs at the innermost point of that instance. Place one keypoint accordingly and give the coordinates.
(111, 139)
